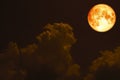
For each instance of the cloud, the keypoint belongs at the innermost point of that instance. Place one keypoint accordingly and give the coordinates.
(53, 50)
(47, 59)
(105, 67)
(10, 68)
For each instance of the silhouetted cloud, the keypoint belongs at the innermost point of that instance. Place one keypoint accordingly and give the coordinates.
(105, 67)
(48, 59)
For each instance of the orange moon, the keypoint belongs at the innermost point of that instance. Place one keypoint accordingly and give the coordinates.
(101, 17)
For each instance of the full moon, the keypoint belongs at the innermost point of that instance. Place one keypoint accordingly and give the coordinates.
(101, 17)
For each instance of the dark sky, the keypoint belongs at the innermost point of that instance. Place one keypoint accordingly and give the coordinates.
(24, 19)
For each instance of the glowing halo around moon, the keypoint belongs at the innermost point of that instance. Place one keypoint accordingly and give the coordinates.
(101, 17)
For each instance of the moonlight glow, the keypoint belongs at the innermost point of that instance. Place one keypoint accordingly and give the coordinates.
(101, 18)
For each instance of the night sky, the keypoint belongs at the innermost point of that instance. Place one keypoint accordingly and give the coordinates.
(23, 20)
